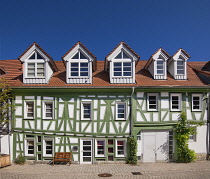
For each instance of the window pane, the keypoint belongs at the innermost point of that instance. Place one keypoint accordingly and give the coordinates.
(74, 64)
(76, 56)
(33, 56)
(125, 55)
(117, 74)
(39, 56)
(40, 65)
(117, 64)
(86, 142)
(119, 56)
(82, 56)
(84, 64)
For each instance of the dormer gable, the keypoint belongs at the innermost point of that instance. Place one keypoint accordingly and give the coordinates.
(157, 64)
(80, 64)
(37, 65)
(177, 65)
(120, 63)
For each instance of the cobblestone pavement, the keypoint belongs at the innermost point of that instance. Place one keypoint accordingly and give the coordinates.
(200, 169)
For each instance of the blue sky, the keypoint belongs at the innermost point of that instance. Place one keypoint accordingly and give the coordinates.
(145, 25)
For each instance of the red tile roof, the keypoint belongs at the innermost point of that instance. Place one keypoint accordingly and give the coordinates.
(14, 76)
(183, 51)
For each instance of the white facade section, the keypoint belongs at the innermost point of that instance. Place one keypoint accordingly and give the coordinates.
(18, 99)
(199, 145)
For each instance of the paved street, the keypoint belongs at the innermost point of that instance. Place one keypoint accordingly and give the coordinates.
(200, 169)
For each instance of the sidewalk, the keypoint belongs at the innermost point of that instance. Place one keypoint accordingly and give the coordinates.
(200, 169)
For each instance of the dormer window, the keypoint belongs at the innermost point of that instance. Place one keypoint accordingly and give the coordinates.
(35, 70)
(79, 69)
(180, 67)
(122, 69)
(177, 65)
(156, 65)
(160, 67)
(121, 64)
(80, 63)
(38, 66)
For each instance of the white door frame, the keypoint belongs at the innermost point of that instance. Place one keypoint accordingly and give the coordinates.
(91, 151)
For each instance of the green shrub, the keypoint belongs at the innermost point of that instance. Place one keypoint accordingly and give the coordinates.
(132, 157)
(20, 159)
(182, 132)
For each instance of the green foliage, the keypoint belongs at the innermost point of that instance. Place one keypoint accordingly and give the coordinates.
(132, 158)
(182, 131)
(5, 107)
(20, 159)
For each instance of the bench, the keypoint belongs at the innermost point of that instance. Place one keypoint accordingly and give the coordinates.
(62, 157)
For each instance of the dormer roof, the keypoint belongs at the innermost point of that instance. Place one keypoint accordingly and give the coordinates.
(179, 53)
(35, 47)
(2, 71)
(155, 55)
(75, 48)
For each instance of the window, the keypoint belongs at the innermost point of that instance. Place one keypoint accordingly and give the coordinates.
(35, 69)
(122, 69)
(176, 100)
(160, 67)
(192, 137)
(29, 147)
(48, 147)
(152, 100)
(196, 102)
(86, 111)
(120, 147)
(29, 110)
(120, 111)
(79, 69)
(48, 110)
(100, 148)
(180, 67)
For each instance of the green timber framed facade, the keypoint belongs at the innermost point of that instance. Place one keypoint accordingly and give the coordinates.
(90, 107)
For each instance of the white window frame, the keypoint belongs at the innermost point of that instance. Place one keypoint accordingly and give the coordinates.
(200, 102)
(116, 148)
(44, 147)
(44, 109)
(96, 148)
(193, 137)
(179, 95)
(26, 147)
(82, 111)
(35, 62)
(26, 110)
(178, 60)
(148, 101)
(163, 67)
(79, 69)
(125, 110)
(122, 71)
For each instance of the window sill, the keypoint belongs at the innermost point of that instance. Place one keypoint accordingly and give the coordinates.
(28, 119)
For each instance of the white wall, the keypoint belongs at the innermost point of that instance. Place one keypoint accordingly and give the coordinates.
(199, 146)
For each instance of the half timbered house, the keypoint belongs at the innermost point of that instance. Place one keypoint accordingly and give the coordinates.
(91, 107)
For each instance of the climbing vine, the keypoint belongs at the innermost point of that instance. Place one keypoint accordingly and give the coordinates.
(132, 143)
(183, 129)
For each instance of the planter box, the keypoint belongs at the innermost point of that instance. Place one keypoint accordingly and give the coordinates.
(4, 160)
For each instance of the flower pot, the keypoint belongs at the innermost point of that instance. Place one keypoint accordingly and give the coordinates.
(4, 160)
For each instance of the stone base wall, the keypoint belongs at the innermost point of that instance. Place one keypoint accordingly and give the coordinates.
(200, 156)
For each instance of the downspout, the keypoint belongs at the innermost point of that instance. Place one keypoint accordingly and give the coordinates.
(131, 112)
(208, 128)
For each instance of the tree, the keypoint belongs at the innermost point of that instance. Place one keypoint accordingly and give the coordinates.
(5, 107)
(182, 131)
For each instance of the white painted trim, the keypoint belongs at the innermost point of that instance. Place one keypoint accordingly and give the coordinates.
(44, 147)
(157, 101)
(81, 150)
(179, 100)
(82, 111)
(116, 150)
(96, 148)
(44, 109)
(25, 109)
(200, 102)
(116, 111)
(26, 147)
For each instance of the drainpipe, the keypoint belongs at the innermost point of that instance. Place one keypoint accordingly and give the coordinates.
(208, 128)
(131, 111)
